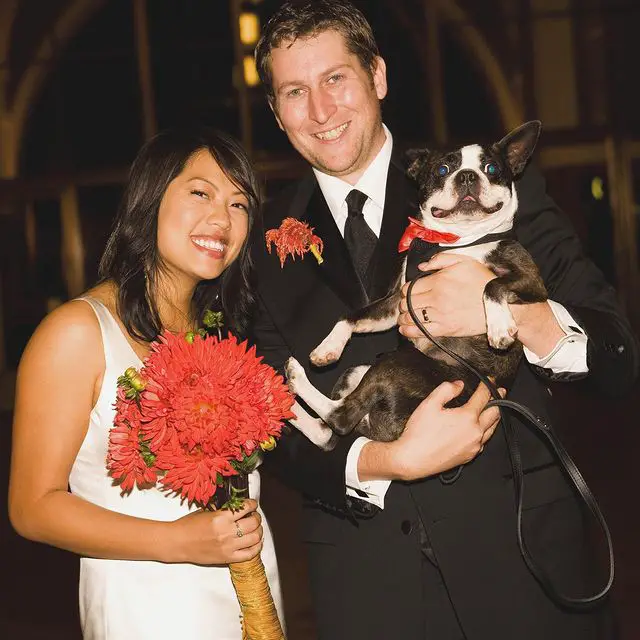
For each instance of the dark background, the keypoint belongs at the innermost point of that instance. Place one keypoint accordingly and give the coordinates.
(85, 125)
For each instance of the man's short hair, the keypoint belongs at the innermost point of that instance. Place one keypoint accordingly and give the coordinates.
(308, 18)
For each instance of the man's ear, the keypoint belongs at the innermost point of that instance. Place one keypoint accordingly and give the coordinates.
(272, 106)
(518, 146)
(380, 77)
(416, 159)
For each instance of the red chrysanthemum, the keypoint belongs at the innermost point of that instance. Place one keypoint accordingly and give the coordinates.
(206, 403)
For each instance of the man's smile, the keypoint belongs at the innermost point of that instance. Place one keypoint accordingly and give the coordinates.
(332, 134)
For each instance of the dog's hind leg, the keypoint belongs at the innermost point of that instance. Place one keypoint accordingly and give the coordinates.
(348, 381)
(377, 316)
(313, 428)
(301, 386)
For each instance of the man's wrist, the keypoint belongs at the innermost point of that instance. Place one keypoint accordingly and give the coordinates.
(378, 461)
(538, 328)
(373, 462)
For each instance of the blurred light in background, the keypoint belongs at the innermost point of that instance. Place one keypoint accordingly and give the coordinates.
(251, 77)
(249, 28)
(597, 188)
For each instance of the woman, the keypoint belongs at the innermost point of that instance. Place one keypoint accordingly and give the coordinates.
(178, 248)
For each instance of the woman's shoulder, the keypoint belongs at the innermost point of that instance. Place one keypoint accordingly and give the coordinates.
(71, 331)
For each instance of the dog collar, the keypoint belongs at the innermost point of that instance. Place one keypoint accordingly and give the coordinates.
(417, 230)
(421, 251)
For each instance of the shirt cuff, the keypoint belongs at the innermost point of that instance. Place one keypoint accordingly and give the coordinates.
(570, 353)
(372, 491)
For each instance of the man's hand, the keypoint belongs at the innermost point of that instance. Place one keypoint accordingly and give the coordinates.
(451, 297)
(435, 439)
(452, 300)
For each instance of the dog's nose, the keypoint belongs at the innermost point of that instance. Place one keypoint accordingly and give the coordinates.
(466, 178)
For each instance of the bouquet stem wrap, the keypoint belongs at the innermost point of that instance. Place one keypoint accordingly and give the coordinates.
(259, 616)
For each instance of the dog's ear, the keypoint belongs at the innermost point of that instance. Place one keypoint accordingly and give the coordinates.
(416, 159)
(518, 145)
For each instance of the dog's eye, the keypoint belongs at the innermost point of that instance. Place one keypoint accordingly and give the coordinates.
(443, 170)
(491, 169)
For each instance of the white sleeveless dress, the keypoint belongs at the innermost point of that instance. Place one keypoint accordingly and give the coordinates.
(140, 600)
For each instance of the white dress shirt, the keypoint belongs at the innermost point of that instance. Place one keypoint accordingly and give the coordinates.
(569, 354)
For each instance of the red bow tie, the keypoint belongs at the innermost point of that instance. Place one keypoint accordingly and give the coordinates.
(415, 229)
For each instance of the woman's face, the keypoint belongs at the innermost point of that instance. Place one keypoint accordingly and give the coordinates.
(202, 222)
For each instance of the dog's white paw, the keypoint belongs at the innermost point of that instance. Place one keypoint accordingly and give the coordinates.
(501, 327)
(331, 348)
(295, 374)
(323, 354)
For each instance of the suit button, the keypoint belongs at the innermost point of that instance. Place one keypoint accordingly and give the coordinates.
(406, 527)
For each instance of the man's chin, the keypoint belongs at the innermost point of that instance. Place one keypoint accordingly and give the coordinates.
(337, 168)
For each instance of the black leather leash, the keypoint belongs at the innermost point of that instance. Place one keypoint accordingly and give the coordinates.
(561, 454)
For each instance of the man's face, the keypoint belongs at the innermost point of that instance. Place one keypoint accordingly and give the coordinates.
(328, 105)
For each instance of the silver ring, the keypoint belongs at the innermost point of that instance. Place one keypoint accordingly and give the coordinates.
(239, 531)
(424, 315)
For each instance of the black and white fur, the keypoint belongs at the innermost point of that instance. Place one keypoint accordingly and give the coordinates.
(469, 192)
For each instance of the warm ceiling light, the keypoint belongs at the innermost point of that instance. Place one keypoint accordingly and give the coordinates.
(249, 28)
(597, 188)
(251, 77)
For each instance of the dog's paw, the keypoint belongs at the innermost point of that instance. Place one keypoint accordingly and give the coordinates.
(331, 348)
(501, 327)
(323, 355)
(502, 342)
(295, 373)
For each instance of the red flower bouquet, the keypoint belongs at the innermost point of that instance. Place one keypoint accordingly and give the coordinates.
(200, 410)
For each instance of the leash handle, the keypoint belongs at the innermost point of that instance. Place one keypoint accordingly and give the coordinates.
(515, 459)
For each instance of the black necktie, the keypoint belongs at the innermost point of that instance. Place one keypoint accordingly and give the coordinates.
(359, 238)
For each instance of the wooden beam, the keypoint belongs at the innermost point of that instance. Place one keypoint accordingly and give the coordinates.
(572, 155)
(625, 249)
(3, 354)
(143, 50)
(72, 244)
(434, 73)
(244, 98)
(281, 167)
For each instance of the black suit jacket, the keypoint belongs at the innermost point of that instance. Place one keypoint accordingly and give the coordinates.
(366, 573)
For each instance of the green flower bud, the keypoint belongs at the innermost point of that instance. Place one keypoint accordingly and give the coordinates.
(131, 373)
(138, 383)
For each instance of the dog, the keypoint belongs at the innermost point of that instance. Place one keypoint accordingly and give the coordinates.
(468, 195)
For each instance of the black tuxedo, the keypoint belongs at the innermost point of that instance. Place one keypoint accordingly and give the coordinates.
(374, 578)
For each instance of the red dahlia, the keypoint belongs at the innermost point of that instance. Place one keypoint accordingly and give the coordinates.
(205, 404)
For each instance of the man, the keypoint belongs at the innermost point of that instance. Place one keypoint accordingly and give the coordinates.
(393, 551)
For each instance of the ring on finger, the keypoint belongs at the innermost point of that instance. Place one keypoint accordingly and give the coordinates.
(239, 531)
(425, 316)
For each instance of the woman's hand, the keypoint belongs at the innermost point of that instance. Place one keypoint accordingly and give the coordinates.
(216, 537)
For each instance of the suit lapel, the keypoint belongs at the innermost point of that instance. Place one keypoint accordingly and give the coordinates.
(400, 202)
(336, 271)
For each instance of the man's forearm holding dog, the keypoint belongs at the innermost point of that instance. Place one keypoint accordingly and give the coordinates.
(463, 314)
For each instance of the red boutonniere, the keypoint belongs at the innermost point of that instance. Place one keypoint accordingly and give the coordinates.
(294, 237)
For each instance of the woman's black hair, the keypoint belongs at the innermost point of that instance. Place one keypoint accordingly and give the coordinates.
(131, 258)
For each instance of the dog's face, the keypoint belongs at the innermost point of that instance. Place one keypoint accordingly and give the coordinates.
(473, 187)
